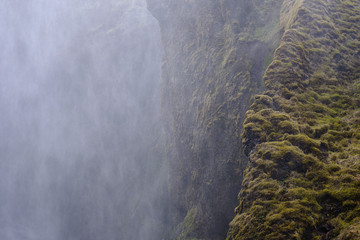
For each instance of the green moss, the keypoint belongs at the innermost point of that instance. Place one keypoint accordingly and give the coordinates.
(287, 93)
(307, 144)
(320, 130)
(310, 148)
(187, 228)
(275, 118)
(332, 168)
(264, 100)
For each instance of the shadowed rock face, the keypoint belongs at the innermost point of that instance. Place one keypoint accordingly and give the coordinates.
(215, 53)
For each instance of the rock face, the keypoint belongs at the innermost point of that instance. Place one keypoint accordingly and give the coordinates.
(215, 53)
(301, 134)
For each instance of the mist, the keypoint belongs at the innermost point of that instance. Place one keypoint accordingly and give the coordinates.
(80, 130)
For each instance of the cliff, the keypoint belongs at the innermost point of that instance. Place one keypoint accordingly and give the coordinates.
(300, 134)
(212, 66)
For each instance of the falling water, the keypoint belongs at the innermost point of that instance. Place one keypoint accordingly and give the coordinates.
(80, 132)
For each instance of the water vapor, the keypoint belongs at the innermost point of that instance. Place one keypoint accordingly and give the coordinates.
(80, 129)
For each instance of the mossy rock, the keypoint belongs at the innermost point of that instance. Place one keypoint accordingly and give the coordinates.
(310, 147)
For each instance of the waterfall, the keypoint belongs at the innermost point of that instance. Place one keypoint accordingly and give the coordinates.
(80, 130)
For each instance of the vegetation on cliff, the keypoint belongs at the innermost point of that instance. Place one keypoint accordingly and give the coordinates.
(302, 134)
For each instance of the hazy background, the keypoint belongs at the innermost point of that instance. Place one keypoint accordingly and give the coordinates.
(80, 129)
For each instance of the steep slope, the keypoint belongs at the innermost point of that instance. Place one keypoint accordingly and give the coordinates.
(215, 54)
(302, 135)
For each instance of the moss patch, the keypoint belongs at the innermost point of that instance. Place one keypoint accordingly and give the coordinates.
(301, 134)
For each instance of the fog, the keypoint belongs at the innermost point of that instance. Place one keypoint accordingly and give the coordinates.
(80, 128)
